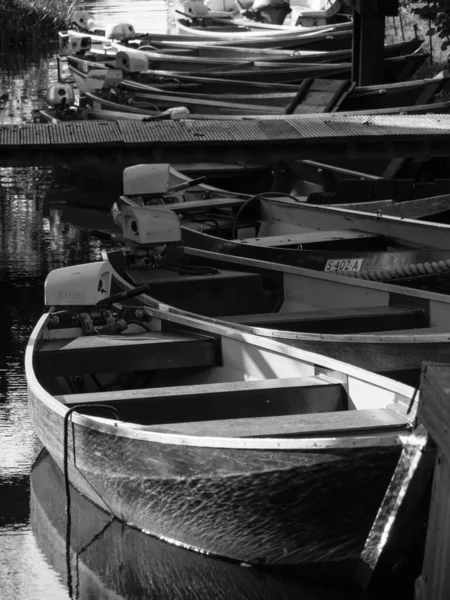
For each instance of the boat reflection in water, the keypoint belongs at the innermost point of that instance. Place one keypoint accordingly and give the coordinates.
(111, 560)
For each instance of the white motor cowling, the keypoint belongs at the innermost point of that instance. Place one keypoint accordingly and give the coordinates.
(149, 225)
(226, 6)
(80, 285)
(140, 180)
(70, 43)
(194, 8)
(100, 79)
(60, 94)
(131, 61)
(83, 19)
(120, 31)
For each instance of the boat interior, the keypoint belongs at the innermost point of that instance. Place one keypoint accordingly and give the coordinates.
(179, 377)
(263, 297)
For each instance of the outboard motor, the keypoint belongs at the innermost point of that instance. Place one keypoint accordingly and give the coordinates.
(193, 8)
(83, 20)
(225, 6)
(121, 32)
(310, 13)
(269, 11)
(131, 61)
(73, 44)
(84, 294)
(80, 285)
(60, 95)
(100, 79)
(148, 225)
(143, 180)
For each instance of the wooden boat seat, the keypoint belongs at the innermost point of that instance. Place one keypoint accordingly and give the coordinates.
(119, 353)
(313, 237)
(358, 319)
(238, 399)
(323, 424)
(224, 292)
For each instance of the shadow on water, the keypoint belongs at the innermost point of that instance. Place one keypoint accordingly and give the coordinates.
(111, 560)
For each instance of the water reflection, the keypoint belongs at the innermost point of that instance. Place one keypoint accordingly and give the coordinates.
(28, 250)
(110, 560)
(25, 77)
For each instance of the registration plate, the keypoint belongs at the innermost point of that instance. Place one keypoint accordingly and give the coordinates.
(344, 264)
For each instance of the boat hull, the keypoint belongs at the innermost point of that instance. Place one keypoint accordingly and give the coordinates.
(285, 510)
(112, 560)
(397, 353)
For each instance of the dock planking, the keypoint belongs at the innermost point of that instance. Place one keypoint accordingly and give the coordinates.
(314, 136)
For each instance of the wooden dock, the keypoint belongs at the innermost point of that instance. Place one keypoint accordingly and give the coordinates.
(263, 140)
(434, 413)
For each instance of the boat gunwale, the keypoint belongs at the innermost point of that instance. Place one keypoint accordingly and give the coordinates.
(294, 270)
(144, 433)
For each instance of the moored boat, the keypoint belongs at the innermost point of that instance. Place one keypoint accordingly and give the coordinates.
(143, 410)
(148, 62)
(378, 326)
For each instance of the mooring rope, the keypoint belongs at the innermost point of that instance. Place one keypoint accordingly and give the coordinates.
(94, 538)
(66, 477)
(412, 270)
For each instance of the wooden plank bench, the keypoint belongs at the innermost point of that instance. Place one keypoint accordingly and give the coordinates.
(119, 353)
(365, 318)
(303, 239)
(323, 424)
(292, 395)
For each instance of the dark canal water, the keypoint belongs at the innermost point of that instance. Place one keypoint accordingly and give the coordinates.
(108, 560)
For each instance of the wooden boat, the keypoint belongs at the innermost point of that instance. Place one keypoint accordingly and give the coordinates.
(377, 326)
(361, 305)
(150, 64)
(110, 559)
(396, 69)
(325, 12)
(255, 220)
(282, 38)
(310, 96)
(316, 95)
(313, 96)
(336, 37)
(183, 437)
(378, 240)
(205, 50)
(266, 12)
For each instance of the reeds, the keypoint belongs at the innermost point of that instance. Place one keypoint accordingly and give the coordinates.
(31, 24)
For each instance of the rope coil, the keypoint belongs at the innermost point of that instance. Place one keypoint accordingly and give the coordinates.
(412, 270)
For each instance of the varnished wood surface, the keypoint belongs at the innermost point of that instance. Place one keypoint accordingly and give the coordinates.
(235, 399)
(124, 353)
(365, 319)
(315, 237)
(333, 423)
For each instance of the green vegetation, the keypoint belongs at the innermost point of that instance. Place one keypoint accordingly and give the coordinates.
(31, 23)
(437, 13)
(410, 23)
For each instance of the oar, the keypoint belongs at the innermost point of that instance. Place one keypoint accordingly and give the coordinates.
(171, 114)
